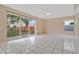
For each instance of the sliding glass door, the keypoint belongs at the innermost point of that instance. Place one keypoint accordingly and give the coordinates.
(13, 26)
(24, 26)
(32, 27)
(19, 26)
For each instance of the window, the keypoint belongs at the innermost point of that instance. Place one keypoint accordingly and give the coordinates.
(69, 25)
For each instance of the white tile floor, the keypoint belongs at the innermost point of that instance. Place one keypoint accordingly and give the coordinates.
(43, 44)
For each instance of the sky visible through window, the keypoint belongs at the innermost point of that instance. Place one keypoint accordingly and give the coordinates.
(68, 22)
(32, 23)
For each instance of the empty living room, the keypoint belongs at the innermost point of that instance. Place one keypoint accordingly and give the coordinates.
(39, 28)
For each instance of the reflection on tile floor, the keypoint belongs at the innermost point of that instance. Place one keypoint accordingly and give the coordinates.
(43, 44)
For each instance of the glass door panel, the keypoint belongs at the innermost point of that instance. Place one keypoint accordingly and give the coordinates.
(24, 26)
(32, 25)
(12, 26)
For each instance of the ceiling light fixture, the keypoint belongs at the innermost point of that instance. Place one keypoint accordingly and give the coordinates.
(49, 12)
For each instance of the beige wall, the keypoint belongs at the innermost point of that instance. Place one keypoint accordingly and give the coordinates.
(3, 34)
(77, 24)
(56, 25)
(40, 28)
(77, 19)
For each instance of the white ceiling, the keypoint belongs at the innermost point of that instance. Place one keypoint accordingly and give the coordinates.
(40, 10)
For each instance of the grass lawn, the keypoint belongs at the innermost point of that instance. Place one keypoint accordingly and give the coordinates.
(12, 34)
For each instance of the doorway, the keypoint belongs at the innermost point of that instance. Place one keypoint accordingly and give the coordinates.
(20, 26)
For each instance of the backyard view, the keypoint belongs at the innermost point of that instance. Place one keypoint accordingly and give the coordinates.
(18, 25)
